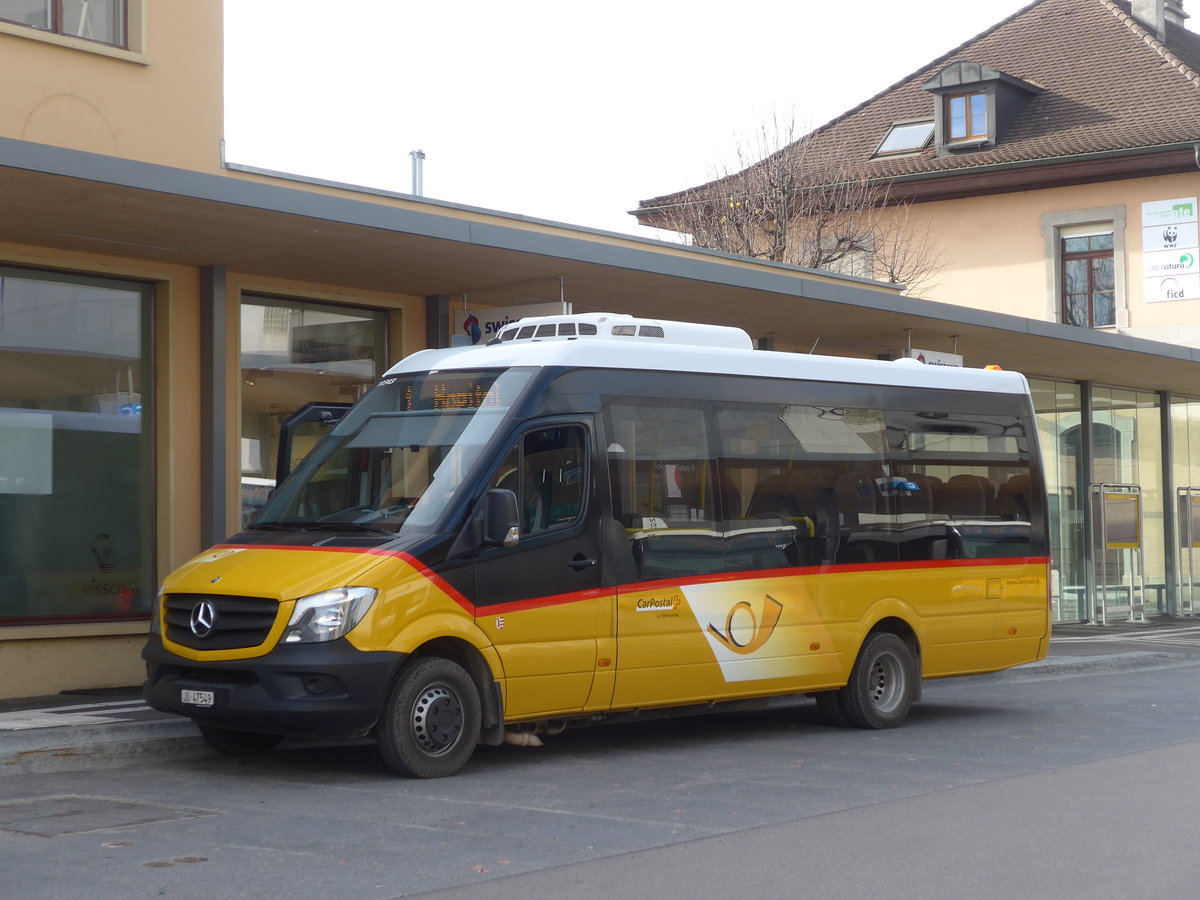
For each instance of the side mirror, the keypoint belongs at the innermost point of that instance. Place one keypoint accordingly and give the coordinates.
(501, 519)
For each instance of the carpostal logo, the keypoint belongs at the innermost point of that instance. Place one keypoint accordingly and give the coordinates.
(659, 604)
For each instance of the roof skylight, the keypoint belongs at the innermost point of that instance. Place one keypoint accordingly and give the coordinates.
(906, 137)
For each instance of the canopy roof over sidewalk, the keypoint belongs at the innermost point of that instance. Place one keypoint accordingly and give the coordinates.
(356, 239)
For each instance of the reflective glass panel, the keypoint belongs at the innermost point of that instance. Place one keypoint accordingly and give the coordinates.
(1127, 449)
(295, 353)
(978, 113)
(1058, 407)
(94, 20)
(957, 107)
(34, 13)
(1185, 482)
(76, 474)
(903, 138)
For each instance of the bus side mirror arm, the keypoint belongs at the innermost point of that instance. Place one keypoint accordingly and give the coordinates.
(501, 520)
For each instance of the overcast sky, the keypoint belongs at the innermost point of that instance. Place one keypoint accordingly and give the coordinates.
(569, 112)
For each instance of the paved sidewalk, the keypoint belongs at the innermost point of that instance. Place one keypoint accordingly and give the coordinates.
(86, 729)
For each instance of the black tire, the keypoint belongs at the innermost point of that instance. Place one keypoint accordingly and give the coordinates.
(239, 743)
(829, 705)
(430, 724)
(882, 683)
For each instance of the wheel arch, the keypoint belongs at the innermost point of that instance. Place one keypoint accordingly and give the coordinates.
(491, 699)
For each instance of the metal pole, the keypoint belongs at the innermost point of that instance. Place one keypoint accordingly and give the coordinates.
(1100, 603)
(1191, 554)
(1171, 576)
(418, 172)
(1084, 475)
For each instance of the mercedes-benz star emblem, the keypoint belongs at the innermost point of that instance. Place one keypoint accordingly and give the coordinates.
(204, 617)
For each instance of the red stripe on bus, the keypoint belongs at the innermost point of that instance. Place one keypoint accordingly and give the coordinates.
(659, 583)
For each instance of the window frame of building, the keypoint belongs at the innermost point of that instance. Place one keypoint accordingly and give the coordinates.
(1091, 250)
(89, 499)
(1081, 223)
(129, 42)
(976, 115)
(263, 404)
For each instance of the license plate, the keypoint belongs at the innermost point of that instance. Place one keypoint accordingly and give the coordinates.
(196, 698)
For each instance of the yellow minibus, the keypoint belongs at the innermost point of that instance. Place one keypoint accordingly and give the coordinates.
(598, 517)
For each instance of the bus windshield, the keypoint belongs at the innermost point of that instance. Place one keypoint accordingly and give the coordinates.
(398, 457)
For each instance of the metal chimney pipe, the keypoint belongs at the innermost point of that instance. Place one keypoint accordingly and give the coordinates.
(418, 172)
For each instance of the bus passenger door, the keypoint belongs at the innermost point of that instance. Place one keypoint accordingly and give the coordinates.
(672, 508)
(541, 601)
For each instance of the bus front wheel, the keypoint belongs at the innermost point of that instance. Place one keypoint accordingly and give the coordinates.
(431, 722)
(882, 683)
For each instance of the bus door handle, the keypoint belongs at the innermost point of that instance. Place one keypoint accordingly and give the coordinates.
(581, 562)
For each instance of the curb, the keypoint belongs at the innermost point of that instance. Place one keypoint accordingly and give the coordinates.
(40, 750)
(1066, 666)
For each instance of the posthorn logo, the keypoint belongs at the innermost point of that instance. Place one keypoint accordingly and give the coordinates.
(744, 632)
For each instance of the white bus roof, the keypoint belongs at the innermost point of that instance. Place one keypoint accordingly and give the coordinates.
(610, 341)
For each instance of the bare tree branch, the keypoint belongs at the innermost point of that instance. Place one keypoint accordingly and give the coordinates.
(781, 202)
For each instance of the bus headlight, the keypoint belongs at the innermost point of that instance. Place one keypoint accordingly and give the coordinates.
(328, 615)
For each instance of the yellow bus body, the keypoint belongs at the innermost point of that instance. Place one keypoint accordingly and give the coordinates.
(660, 644)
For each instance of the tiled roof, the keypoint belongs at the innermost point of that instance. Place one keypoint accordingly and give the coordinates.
(1107, 84)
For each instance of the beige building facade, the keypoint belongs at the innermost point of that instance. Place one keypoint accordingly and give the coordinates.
(1018, 268)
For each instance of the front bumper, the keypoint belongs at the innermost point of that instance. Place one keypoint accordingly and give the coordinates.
(329, 689)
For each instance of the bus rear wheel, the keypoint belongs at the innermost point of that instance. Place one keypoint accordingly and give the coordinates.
(882, 683)
(431, 722)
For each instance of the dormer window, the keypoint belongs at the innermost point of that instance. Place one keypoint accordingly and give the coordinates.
(966, 117)
(975, 105)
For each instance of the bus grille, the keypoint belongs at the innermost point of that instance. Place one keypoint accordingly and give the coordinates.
(237, 622)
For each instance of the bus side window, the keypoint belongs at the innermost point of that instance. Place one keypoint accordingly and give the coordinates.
(547, 472)
(972, 488)
(660, 463)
